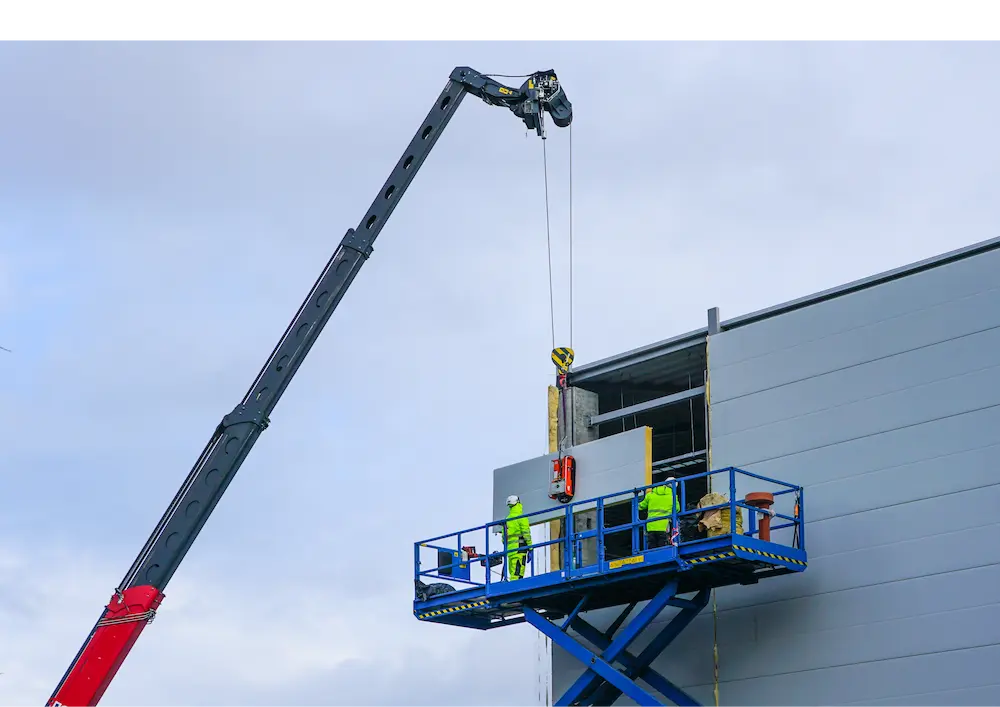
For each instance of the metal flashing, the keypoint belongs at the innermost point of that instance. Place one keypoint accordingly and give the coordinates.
(592, 372)
(864, 283)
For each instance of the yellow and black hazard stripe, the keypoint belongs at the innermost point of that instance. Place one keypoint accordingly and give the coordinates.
(711, 558)
(452, 609)
(770, 555)
(562, 357)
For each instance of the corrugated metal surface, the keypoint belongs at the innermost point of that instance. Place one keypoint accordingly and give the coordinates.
(885, 404)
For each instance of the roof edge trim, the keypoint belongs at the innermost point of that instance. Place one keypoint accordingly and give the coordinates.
(863, 284)
(590, 371)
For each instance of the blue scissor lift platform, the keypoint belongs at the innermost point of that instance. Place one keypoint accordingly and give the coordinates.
(616, 571)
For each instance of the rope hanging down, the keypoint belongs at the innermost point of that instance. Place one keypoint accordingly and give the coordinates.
(571, 236)
(548, 241)
(561, 357)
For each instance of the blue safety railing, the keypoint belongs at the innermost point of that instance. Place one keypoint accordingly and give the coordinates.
(467, 565)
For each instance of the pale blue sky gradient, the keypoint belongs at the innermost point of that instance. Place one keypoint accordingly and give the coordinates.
(164, 208)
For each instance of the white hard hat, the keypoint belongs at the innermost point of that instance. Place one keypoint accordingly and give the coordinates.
(513, 500)
(670, 478)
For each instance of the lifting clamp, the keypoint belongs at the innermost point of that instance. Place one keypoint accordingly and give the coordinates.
(562, 486)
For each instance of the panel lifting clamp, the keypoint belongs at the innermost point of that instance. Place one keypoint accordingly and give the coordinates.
(562, 357)
(562, 487)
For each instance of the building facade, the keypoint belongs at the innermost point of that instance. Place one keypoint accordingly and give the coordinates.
(882, 398)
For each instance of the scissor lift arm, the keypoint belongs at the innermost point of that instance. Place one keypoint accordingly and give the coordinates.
(140, 593)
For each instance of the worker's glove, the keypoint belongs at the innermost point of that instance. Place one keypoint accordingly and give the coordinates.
(770, 512)
(528, 561)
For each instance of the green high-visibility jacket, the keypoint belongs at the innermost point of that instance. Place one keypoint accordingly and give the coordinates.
(517, 529)
(659, 502)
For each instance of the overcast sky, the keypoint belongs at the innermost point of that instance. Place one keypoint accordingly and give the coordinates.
(165, 208)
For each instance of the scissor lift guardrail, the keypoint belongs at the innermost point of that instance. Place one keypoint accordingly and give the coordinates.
(622, 572)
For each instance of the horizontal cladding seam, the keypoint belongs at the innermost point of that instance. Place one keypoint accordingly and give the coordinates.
(785, 600)
(845, 665)
(696, 337)
(922, 460)
(841, 332)
(924, 499)
(748, 464)
(916, 654)
(910, 617)
(663, 620)
(813, 558)
(866, 283)
(909, 695)
(877, 396)
(804, 597)
(876, 622)
(857, 365)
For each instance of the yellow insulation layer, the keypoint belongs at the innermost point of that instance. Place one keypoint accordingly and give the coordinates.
(649, 455)
(553, 419)
(555, 551)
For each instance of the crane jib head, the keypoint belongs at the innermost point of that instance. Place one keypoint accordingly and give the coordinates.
(544, 94)
(541, 93)
(545, 87)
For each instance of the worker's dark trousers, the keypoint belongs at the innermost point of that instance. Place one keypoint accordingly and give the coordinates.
(656, 538)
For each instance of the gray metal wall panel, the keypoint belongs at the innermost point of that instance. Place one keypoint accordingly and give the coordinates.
(844, 386)
(881, 339)
(603, 466)
(885, 405)
(840, 314)
(865, 682)
(885, 563)
(872, 416)
(931, 679)
(891, 524)
(938, 445)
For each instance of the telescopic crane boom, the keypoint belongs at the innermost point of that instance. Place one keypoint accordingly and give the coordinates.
(137, 597)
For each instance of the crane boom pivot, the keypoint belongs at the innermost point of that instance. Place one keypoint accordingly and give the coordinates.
(140, 592)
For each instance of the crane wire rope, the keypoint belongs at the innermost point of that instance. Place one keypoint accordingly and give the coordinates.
(548, 228)
(552, 317)
(571, 235)
(548, 240)
(567, 435)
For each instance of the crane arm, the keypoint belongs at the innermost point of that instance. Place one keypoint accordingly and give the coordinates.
(140, 592)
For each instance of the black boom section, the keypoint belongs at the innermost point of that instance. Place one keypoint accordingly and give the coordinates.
(236, 434)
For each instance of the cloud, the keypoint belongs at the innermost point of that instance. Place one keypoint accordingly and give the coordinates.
(165, 208)
(219, 642)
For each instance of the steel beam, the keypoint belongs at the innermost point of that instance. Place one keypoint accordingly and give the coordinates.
(592, 372)
(646, 406)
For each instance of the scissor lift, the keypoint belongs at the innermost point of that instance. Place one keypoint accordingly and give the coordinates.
(610, 573)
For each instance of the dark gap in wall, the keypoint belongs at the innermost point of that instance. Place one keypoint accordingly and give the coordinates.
(679, 430)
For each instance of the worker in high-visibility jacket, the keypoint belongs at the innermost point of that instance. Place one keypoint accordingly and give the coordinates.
(517, 534)
(659, 502)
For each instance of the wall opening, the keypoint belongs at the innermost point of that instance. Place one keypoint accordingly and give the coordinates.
(665, 393)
